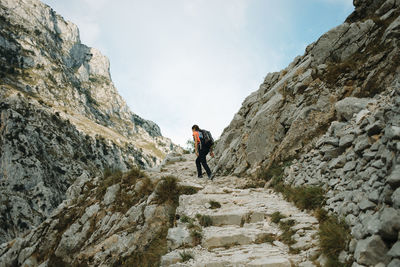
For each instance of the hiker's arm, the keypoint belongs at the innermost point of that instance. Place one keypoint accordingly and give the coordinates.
(211, 152)
(195, 146)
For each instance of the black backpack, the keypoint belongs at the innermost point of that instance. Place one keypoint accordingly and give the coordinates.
(206, 138)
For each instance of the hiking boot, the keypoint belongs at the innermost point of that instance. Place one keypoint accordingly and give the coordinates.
(200, 176)
(211, 176)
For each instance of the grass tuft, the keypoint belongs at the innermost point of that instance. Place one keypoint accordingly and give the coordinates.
(277, 216)
(265, 238)
(185, 256)
(186, 219)
(205, 220)
(333, 235)
(287, 231)
(196, 235)
(214, 204)
(167, 189)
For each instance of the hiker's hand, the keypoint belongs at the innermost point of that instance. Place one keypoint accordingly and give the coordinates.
(212, 154)
(197, 153)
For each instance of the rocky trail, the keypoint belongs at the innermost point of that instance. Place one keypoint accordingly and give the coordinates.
(224, 224)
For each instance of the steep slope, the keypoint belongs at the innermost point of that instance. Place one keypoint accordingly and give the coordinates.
(295, 106)
(121, 219)
(124, 220)
(61, 115)
(333, 116)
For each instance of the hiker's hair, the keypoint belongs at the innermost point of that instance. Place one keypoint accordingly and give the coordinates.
(195, 127)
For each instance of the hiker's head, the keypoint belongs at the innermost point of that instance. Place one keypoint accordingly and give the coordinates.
(195, 128)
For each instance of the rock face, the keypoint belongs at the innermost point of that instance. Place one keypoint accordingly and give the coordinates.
(334, 113)
(294, 107)
(107, 221)
(60, 116)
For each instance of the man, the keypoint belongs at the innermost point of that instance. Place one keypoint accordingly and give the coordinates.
(201, 151)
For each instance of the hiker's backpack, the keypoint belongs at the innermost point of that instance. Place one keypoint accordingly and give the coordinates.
(206, 138)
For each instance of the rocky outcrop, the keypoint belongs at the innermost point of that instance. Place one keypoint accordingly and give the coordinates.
(41, 155)
(357, 163)
(295, 107)
(334, 114)
(60, 116)
(116, 220)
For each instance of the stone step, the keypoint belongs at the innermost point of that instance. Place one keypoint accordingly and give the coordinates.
(229, 236)
(255, 255)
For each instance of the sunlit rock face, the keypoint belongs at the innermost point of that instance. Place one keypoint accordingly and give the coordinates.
(60, 115)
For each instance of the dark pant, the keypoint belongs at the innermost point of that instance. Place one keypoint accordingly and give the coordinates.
(201, 160)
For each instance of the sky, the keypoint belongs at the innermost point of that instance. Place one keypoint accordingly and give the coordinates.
(185, 62)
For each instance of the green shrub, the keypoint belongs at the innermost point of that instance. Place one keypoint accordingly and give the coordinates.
(167, 189)
(205, 220)
(308, 197)
(288, 232)
(265, 238)
(185, 256)
(214, 204)
(110, 177)
(186, 219)
(333, 235)
(196, 236)
(277, 216)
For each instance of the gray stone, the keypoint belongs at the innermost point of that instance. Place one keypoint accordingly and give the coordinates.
(374, 196)
(368, 155)
(365, 204)
(371, 251)
(330, 140)
(394, 178)
(349, 166)
(347, 140)
(361, 145)
(392, 132)
(178, 237)
(396, 198)
(395, 250)
(349, 106)
(337, 162)
(111, 193)
(394, 263)
(378, 164)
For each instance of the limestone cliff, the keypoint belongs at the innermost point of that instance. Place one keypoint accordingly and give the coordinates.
(61, 115)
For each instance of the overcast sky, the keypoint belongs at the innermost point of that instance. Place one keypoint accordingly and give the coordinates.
(185, 62)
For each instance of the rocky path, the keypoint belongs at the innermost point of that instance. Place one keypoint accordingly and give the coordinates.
(226, 225)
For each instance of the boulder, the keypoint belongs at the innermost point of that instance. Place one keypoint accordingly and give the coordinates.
(371, 251)
(396, 198)
(394, 178)
(349, 106)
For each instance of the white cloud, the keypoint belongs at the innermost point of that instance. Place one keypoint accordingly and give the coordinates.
(181, 62)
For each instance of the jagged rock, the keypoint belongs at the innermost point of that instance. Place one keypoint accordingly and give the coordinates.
(349, 106)
(371, 251)
(394, 263)
(346, 140)
(395, 250)
(111, 193)
(394, 178)
(396, 198)
(178, 237)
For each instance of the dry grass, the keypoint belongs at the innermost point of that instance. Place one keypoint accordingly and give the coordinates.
(334, 235)
(265, 238)
(214, 204)
(167, 189)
